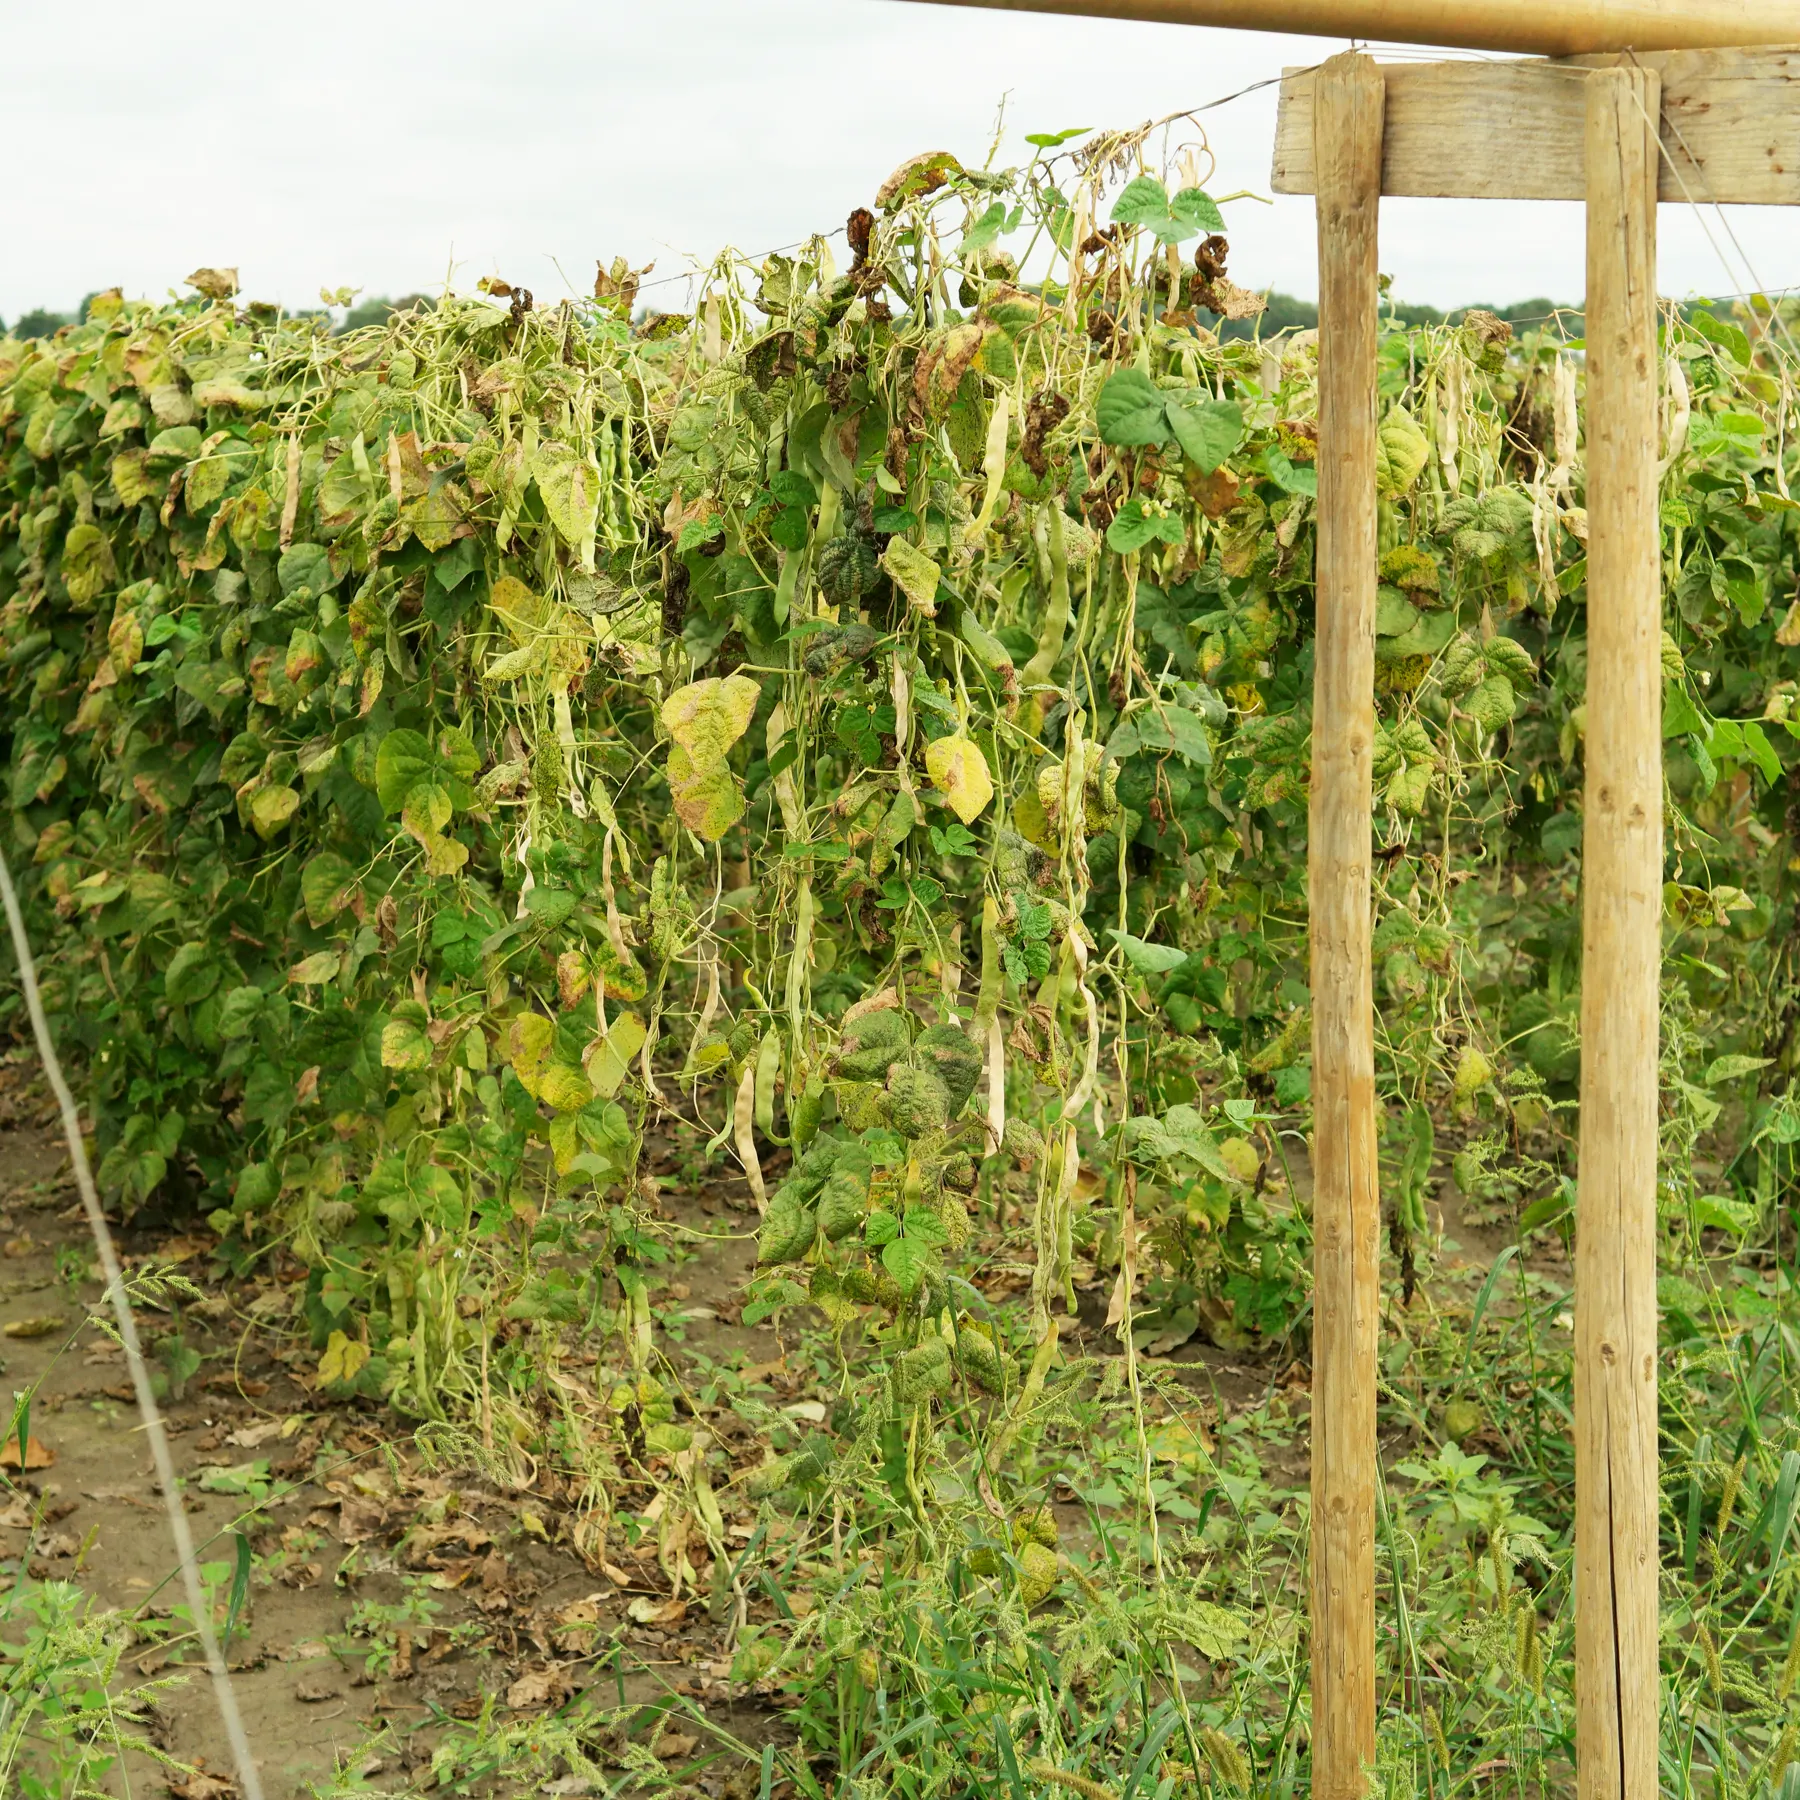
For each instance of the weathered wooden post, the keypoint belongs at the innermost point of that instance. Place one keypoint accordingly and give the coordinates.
(1348, 98)
(1616, 1667)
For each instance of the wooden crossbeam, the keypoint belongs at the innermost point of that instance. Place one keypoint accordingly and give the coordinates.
(1729, 126)
(1518, 27)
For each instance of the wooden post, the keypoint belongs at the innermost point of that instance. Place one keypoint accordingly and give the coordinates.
(1615, 1249)
(1347, 121)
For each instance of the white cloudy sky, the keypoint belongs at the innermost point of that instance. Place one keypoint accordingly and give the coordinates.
(381, 143)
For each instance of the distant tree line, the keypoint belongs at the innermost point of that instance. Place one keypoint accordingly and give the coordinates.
(1284, 313)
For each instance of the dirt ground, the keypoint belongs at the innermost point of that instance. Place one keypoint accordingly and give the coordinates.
(357, 1523)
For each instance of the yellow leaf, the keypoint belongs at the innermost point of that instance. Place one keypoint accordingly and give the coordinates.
(404, 1046)
(960, 773)
(522, 612)
(564, 1087)
(708, 799)
(565, 1142)
(915, 572)
(1032, 823)
(609, 1061)
(311, 970)
(271, 808)
(1400, 452)
(343, 1359)
(706, 718)
(528, 1049)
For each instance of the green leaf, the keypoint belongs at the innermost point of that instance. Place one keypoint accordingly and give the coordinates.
(1159, 730)
(403, 759)
(1145, 202)
(1207, 430)
(1492, 704)
(1145, 957)
(1135, 526)
(193, 972)
(1731, 1068)
(1131, 410)
(1680, 716)
(1729, 337)
(1052, 140)
(569, 485)
(327, 885)
(908, 1260)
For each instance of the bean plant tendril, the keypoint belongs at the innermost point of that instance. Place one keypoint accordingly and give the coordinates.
(859, 732)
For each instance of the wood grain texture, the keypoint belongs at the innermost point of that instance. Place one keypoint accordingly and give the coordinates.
(1730, 128)
(1615, 1235)
(1529, 27)
(1346, 1204)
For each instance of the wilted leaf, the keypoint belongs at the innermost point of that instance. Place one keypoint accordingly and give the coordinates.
(706, 718)
(404, 1045)
(342, 1360)
(215, 284)
(915, 573)
(959, 771)
(1400, 452)
(708, 800)
(321, 966)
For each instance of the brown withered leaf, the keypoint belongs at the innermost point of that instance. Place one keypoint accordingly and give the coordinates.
(360, 1518)
(537, 1687)
(38, 1454)
(215, 284)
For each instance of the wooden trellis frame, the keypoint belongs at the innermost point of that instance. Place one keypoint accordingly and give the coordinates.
(1613, 144)
(1650, 107)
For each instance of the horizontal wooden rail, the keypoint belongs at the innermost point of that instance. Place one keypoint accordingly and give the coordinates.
(1524, 27)
(1729, 121)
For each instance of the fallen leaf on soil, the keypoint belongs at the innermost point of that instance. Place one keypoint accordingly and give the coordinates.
(425, 1543)
(360, 1519)
(259, 1433)
(613, 1572)
(38, 1454)
(537, 1687)
(673, 1745)
(59, 1543)
(812, 1411)
(40, 1326)
(450, 1575)
(202, 1786)
(183, 1249)
(19, 1246)
(648, 1610)
(16, 1516)
(313, 1693)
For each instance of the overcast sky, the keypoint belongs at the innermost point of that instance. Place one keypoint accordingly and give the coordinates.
(380, 144)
